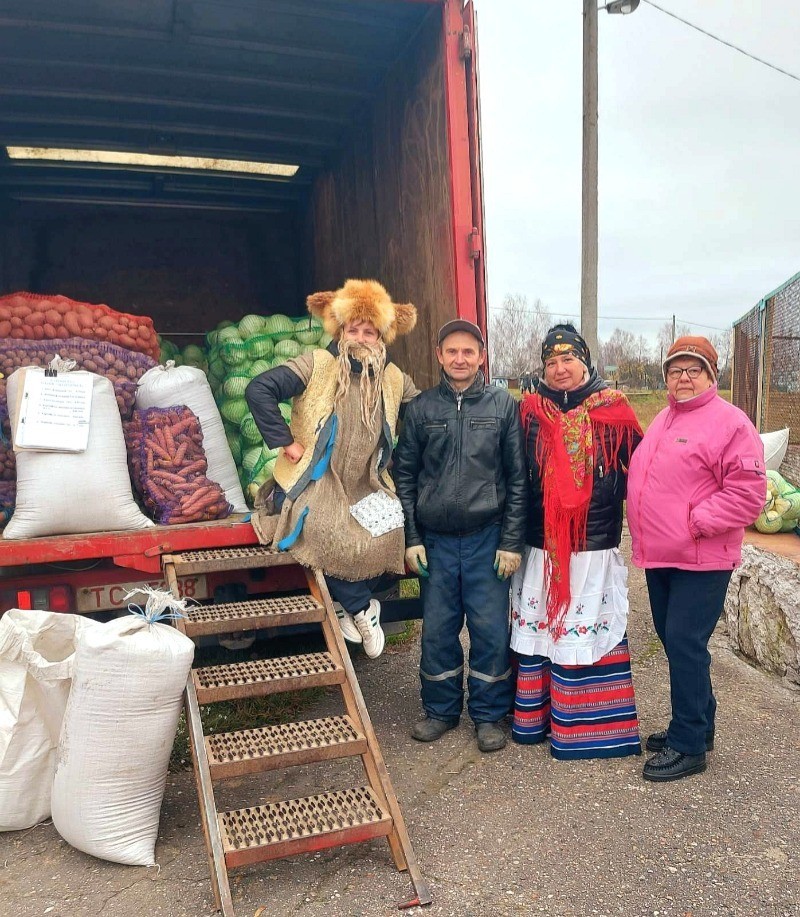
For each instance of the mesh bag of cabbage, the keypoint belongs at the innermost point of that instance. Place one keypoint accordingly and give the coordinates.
(168, 467)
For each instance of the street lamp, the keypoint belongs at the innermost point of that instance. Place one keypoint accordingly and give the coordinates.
(623, 7)
(589, 207)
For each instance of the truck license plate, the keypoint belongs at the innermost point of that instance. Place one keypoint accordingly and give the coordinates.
(111, 596)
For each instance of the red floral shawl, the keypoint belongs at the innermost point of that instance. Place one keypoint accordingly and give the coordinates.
(566, 447)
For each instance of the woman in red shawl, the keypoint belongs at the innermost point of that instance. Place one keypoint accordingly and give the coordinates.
(570, 595)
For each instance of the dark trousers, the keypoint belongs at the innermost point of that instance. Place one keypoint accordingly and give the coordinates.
(463, 586)
(353, 597)
(686, 605)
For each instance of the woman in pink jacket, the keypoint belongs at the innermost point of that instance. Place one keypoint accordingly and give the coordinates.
(695, 482)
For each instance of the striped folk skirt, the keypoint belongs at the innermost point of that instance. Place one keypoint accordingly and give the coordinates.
(589, 711)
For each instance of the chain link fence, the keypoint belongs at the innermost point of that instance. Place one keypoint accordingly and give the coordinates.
(766, 366)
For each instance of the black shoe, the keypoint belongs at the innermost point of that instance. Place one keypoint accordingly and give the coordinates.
(429, 729)
(669, 764)
(490, 736)
(657, 741)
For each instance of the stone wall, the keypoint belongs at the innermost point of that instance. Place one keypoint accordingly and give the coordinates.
(762, 610)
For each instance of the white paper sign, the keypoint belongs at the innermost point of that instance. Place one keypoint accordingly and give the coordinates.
(378, 513)
(54, 412)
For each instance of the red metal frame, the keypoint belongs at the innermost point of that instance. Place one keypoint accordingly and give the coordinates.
(139, 550)
(458, 136)
(475, 163)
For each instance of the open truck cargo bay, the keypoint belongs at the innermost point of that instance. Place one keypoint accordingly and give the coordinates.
(374, 101)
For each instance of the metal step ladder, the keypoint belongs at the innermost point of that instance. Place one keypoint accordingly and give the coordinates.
(281, 829)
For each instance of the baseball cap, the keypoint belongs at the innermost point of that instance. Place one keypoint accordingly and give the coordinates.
(460, 324)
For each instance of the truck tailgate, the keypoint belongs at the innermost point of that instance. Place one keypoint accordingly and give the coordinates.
(139, 550)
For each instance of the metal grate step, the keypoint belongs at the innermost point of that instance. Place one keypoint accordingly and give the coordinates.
(279, 829)
(217, 559)
(266, 676)
(234, 754)
(229, 618)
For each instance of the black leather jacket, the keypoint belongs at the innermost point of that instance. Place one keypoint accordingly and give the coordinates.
(604, 523)
(460, 465)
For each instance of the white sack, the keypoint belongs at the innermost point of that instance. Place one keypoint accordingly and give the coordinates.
(165, 386)
(775, 446)
(117, 736)
(36, 655)
(60, 493)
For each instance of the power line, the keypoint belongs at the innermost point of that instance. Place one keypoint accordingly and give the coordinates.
(685, 321)
(555, 315)
(722, 41)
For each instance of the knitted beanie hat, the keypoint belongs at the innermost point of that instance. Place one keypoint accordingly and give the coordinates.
(691, 346)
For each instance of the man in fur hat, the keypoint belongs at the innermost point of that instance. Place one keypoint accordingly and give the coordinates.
(461, 477)
(335, 453)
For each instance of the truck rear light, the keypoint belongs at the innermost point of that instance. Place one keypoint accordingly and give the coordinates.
(60, 598)
(54, 598)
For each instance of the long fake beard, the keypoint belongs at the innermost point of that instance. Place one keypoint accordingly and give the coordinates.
(372, 358)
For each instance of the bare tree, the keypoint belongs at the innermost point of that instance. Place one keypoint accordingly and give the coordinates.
(633, 358)
(723, 344)
(665, 338)
(516, 332)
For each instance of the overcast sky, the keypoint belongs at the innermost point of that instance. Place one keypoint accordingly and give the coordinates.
(699, 157)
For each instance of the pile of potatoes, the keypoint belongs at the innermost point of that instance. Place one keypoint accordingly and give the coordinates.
(122, 367)
(33, 317)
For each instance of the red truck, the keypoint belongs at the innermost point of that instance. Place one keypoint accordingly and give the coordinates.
(373, 106)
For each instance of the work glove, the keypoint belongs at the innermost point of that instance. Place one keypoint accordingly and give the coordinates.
(417, 560)
(505, 563)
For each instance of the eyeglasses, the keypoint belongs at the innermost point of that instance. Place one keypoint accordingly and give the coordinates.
(693, 372)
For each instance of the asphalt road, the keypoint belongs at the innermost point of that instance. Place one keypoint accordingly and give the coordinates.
(513, 833)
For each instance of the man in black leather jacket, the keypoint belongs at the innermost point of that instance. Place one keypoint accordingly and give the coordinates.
(461, 477)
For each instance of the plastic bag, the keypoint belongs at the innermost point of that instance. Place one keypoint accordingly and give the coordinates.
(62, 493)
(118, 730)
(36, 656)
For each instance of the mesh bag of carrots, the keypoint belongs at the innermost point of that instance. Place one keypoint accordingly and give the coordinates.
(168, 467)
(36, 317)
(122, 367)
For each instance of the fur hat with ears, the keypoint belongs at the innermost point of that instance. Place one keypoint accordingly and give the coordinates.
(362, 301)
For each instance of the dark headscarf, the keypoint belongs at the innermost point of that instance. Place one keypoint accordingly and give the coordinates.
(565, 340)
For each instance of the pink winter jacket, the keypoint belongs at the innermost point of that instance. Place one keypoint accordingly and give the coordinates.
(694, 483)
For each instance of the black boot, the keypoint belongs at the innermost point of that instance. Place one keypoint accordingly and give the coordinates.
(669, 764)
(657, 741)
(490, 736)
(429, 729)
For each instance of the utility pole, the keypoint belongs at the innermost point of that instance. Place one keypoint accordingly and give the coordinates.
(673, 329)
(589, 205)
